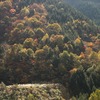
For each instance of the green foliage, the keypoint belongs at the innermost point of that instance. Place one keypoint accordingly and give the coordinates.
(39, 32)
(32, 22)
(47, 41)
(23, 53)
(81, 82)
(30, 93)
(69, 60)
(57, 40)
(64, 56)
(95, 95)
(89, 8)
(40, 54)
(80, 97)
(28, 43)
(28, 33)
(20, 25)
(54, 28)
(80, 28)
(31, 97)
(24, 12)
(65, 12)
(45, 37)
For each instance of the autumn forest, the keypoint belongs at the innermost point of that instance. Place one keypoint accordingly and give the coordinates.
(49, 41)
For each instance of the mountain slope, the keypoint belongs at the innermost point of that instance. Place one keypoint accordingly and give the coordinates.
(48, 41)
(90, 8)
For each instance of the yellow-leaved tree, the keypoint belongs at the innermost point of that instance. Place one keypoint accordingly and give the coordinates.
(95, 95)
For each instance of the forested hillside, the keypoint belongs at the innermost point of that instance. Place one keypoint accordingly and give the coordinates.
(91, 8)
(49, 41)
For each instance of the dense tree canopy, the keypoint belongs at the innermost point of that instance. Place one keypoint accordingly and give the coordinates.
(49, 41)
(90, 8)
